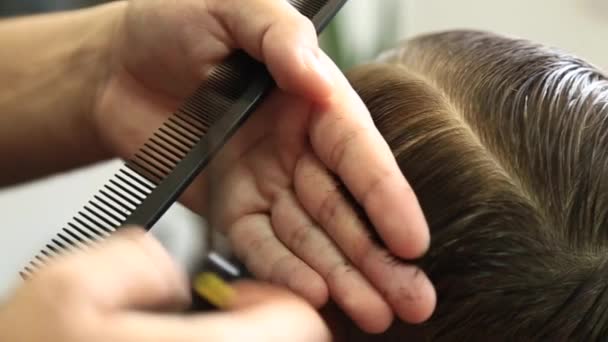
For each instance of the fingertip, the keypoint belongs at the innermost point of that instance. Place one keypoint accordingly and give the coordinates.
(378, 321)
(414, 242)
(400, 221)
(367, 309)
(314, 290)
(420, 307)
(427, 306)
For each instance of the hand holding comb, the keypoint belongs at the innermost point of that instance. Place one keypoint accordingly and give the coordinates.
(152, 180)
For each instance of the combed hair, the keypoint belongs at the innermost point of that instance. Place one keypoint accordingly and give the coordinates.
(505, 143)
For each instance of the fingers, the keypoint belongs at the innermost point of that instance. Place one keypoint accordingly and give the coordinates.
(265, 256)
(275, 33)
(343, 136)
(130, 270)
(405, 287)
(349, 289)
(259, 313)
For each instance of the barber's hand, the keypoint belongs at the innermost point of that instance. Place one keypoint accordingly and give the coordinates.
(109, 293)
(271, 189)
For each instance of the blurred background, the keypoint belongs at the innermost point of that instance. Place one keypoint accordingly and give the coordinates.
(33, 213)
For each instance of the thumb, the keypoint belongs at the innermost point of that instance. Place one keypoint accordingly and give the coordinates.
(256, 312)
(130, 270)
(286, 41)
(249, 294)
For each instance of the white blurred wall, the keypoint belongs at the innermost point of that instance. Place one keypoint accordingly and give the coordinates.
(30, 215)
(578, 26)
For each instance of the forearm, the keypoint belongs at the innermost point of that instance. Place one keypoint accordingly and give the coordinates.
(51, 67)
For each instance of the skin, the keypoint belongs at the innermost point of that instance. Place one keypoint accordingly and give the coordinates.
(110, 75)
(67, 302)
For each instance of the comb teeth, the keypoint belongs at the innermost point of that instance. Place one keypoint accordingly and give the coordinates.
(153, 178)
(140, 176)
(102, 215)
(309, 8)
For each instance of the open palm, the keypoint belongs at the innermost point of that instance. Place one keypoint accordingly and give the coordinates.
(272, 189)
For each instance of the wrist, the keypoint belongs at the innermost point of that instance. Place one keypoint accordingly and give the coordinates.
(99, 46)
(52, 67)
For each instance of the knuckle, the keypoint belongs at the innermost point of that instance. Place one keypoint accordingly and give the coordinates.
(280, 272)
(301, 236)
(375, 186)
(251, 255)
(340, 149)
(305, 25)
(362, 248)
(267, 38)
(289, 18)
(258, 244)
(329, 207)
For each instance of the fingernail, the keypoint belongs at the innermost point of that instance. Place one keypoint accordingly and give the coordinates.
(214, 289)
(314, 61)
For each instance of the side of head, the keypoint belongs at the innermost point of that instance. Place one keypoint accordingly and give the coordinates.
(504, 142)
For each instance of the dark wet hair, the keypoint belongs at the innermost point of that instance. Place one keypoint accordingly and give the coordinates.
(506, 144)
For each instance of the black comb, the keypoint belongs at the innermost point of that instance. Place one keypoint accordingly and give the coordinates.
(152, 180)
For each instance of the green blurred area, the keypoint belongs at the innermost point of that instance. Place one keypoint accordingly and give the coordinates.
(384, 22)
(332, 43)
